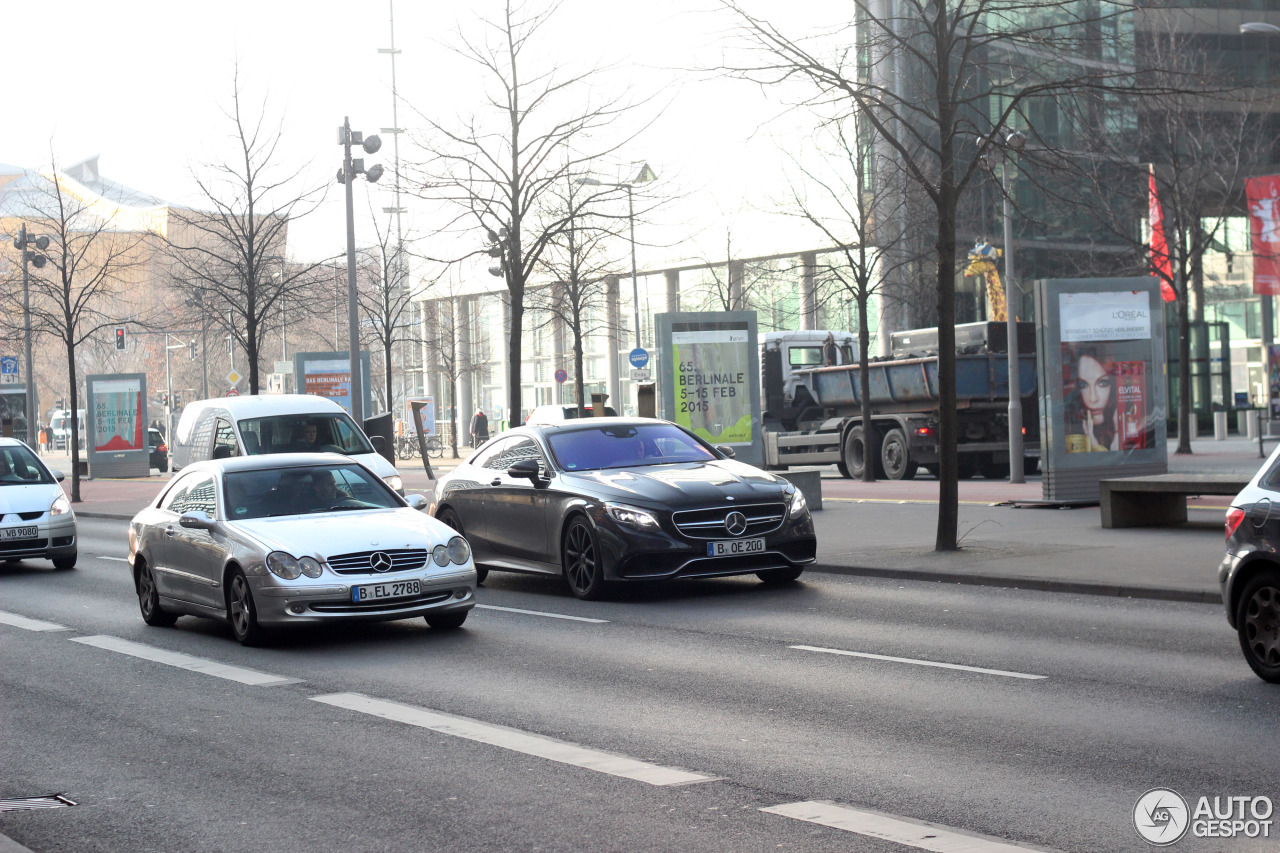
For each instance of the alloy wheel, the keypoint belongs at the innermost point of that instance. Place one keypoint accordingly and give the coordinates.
(580, 558)
(1262, 625)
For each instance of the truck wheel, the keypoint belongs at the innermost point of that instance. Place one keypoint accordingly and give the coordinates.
(966, 467)
(1030, 465)
(896, 456)
(855, 454)
(993, 470)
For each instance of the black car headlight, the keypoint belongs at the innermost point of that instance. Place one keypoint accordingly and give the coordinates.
(799, 507)
(630, 516)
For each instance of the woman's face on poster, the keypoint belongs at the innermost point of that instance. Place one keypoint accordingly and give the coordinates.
(1095, 385)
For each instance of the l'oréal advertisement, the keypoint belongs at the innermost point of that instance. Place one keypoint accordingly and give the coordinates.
(1118, 316)
(1105, 392)
(117, 415)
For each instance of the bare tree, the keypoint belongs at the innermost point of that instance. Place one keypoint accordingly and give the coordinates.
(500, 169)
(450, 355)
(232, 255)
(932, 80)
(86, 286)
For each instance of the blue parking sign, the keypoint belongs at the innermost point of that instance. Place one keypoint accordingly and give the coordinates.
(9, 364)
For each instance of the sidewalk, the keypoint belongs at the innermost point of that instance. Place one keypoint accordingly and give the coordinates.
(888, 529)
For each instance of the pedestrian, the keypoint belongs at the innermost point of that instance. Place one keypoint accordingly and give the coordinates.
(479, 428)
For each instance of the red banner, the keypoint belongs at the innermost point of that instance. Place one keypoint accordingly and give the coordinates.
(1160, 264)
(1264, 229)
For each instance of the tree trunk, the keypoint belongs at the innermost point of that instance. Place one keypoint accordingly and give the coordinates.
(1185, 413)
(579, 386)
(514, 354)
(386, 351)
(870, 442)
(75, 424)
(948, 422)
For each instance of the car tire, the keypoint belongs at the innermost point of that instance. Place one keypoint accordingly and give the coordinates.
(447, 621)
(966, 467)
(993, 470)
(580, 558)
(895, 456)
(450, 519)
(242, 613)
(64, 563)
(778, 577)
(149, 599)
(1258, 624)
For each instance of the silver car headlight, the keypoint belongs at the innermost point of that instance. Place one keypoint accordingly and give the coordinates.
(395, 482)
(459, 551)
(440, 554)
(631, 516)
(60, 506)
(799, 506)
(309, 567)
(283, 565)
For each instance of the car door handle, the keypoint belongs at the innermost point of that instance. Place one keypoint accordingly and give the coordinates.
(169, 531)
(497, 481)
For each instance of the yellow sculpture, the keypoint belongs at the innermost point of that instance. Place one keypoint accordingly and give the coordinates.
(982, 261)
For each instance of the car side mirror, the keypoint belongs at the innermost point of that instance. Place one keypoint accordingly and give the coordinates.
(526, 468)
(379, 443)
(418, 502)
(58, 475)
(196, 520)
(726, 451)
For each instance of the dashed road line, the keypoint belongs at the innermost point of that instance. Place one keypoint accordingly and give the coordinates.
(918, 662)
(240, 674)
(908, 833)
(30, 624)
(115, 559)
(517, 741)
(541, 613)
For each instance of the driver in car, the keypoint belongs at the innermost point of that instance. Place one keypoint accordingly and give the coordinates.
(305, 440)
(326, 491)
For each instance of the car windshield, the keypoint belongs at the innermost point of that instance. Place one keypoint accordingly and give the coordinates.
(297, 491)
(332, 433)
(20, 467)
(625, 446)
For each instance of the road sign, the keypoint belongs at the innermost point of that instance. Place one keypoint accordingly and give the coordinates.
(639, 357)
(285, 367)
(234, 378)
(8, 365)
(10, 379)
(562, 375)
(641, 374)
(233, 393)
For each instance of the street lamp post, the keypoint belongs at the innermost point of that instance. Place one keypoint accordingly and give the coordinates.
(346, 176)
(1006, 142)
(198, 302)
(22, 241)
(168, 396)
(643, 175)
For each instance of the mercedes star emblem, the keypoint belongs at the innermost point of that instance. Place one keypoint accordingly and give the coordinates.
(380, 561)
(736, 523)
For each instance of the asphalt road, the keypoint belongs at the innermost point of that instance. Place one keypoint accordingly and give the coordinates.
(669, 719)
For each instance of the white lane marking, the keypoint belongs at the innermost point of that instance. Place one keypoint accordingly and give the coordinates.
(517, 741)
(934, 663)
(117, 559)
(30, 624)
(181, 661)
(541, 613)
(909, 833)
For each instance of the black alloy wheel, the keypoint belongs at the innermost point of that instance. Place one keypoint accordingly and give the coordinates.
(581, 559)
(895, 455)
(1258, 624)
(450, 519)
(149, 599)
(242, 612)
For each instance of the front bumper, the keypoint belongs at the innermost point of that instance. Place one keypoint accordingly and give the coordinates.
(328, 598)
(634, 555)
(55, 537)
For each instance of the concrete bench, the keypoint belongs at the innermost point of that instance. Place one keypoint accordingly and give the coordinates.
(808, 481)
(1160, 499)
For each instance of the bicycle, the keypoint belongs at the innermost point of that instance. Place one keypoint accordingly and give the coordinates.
(435, 448)
(407, 447)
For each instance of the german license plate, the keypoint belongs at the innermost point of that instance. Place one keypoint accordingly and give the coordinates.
(735, 547)
(19, 532)
(379, 591)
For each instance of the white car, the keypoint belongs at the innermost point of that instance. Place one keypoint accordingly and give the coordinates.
(302, 538)
(36, 520)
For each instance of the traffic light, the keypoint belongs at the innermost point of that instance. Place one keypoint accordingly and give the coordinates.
(120, 342)
(166, 401)
(193, 350)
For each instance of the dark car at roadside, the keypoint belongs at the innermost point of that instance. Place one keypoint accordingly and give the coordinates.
(1249, 574)
(157, 450)
(607, 501)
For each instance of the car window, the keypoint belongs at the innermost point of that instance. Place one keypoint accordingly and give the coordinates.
(200, 498)
(285, 434)
(518, 449)
(488, 455)
(176, 498)
(299, 491)
(20, 467)
(805, 356)
(224, 441)
(626, 446)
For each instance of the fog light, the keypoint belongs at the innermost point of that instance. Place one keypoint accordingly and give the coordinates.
(297, 609)
(462, 593)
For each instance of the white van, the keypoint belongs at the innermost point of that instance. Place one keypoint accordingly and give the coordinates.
(273, 423)
(60, 427)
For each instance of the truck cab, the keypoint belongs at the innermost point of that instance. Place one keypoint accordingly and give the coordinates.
(783, 353)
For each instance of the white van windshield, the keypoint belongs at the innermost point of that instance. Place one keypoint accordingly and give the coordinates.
(324, 433)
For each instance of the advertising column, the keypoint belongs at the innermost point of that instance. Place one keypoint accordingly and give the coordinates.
(116, 421)
(328, 374)
(1102, 383)
(710, 378)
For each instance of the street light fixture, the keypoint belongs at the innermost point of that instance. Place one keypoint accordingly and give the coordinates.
(643, 176)
(346, 176)
(1008, 142)
(21, 242)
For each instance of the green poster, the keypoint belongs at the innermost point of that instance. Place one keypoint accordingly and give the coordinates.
(711, 375)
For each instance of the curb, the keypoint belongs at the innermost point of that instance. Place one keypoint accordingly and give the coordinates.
(1038, 584)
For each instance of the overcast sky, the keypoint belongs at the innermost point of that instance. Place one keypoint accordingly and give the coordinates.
(143, 84)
